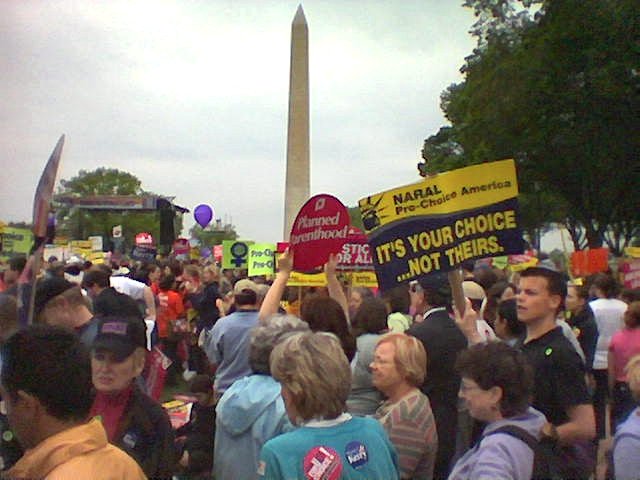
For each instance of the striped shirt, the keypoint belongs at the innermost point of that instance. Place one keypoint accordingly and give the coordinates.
(412, 430)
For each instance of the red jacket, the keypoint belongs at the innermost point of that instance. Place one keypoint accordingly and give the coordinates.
(170, 307)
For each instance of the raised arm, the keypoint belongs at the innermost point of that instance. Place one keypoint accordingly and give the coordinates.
(272, 299)
(333, 284)
(467, 323)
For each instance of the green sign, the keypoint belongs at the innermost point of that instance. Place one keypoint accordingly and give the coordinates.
(235, 253)
(261, 259)
(16, 240)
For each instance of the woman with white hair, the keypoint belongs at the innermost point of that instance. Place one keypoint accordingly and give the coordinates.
(251, 411)
(328, 443)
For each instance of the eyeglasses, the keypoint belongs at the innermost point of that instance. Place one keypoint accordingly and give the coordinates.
(466, 387)
(415, 287)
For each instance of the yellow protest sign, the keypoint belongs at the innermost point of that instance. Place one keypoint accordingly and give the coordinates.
(16, 240)
(298, 279)
(235, 253)
(364, 279)
(519, 267)
(438, 223)
(448, 192)
(501, 262)
(261, 259)
(633, 252)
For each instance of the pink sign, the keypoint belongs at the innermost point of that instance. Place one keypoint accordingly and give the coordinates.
(630, 272)
(319, 230)
(217, 253)
(144, 238)
(355, 254)
(181, 246)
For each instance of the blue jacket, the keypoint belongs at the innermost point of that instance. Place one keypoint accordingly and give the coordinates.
(227, 346)
(249, 413)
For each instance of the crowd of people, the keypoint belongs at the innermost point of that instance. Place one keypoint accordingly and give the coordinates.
(316, 383)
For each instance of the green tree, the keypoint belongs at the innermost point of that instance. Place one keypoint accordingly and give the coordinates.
(355, 218)
(212, 234)
(559, 92)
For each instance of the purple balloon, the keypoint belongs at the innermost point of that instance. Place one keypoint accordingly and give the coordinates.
(203, 215)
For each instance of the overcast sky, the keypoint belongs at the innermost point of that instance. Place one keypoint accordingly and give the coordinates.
(191, 96)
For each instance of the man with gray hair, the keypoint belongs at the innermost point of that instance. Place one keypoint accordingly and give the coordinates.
(251, 411)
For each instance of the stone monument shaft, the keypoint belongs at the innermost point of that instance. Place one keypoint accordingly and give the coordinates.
(297, 180)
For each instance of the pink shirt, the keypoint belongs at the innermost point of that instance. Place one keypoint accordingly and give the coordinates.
(624, 345)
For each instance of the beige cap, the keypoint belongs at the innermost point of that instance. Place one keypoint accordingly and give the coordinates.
(472, 290)
(245, 284)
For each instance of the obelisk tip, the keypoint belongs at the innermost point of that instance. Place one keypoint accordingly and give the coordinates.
(299, 17)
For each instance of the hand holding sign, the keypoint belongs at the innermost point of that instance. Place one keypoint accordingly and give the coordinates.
(285, 262)
(331, 265)
(320, 229)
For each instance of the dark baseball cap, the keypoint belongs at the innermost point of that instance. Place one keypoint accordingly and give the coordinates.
(48, 288)
(120, 335)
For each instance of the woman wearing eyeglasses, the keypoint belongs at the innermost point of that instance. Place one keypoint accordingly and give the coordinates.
(497, 384)
(398, 369)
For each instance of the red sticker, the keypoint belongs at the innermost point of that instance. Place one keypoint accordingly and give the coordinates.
(322, 463)
(320, 229)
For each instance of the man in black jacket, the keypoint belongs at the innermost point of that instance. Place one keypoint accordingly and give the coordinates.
(442, 340)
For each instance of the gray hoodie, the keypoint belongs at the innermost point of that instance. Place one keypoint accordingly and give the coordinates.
(501, 456)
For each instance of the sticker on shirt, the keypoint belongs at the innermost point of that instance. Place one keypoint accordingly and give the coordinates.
(322, 463)
(262, 468)
(356, 454)
(130, 439)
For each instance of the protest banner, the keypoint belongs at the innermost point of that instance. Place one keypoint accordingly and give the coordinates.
(438, 223)
(633, 252)
(629, 269)
(363, 279)
(181, 246)
(82, 248)
(587, 262)
(155, 372)
(96, 242)
(297, 279)
(16, 241)
(500, 262)
(235, 253)
(41, 227)
(217, 253)
(144, 253)
(320, 229)
(518, 263)
(144, 238)
(61, 253)
(97, 258)
(355, 254)
(261, 259)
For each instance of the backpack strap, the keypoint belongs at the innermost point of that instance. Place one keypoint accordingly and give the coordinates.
(519, 433)
(620, 436)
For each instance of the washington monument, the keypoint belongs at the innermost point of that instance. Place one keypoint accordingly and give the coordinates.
(297, 180)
